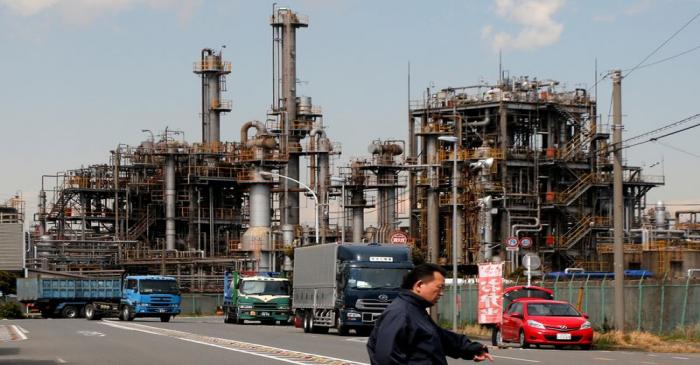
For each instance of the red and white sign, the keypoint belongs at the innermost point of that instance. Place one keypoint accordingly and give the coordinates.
(399, 238)
(490, 293)
(525, 242)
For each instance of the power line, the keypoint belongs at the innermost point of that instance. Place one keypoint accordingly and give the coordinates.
(665, 59)
(654, 139)
(678, 149)
(661, 129)
(662, 44)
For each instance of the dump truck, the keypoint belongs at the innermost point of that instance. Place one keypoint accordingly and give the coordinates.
(346, 286)
(254, 296)
(126, 298)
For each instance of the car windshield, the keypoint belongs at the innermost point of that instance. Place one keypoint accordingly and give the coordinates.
(158, 287)
(552, 310)
(366, 278)
(264, 287)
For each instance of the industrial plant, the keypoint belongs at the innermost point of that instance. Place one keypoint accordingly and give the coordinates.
(521, 158)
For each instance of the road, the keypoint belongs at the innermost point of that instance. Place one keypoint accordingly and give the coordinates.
(207, 340)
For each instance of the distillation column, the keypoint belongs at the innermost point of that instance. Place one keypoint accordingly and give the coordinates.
(288, 22)
(170, 200)
(323, 148)
(433, 214)
(212, 70)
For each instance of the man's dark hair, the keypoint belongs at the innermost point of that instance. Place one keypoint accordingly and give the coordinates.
(423, 272)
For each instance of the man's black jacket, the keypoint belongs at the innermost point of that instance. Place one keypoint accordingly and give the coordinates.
(405, 334)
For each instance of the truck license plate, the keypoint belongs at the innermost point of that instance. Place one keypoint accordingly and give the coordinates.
(563, 336)
(162, 310)
(265, 314)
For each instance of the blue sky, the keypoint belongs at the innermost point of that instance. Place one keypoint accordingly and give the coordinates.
(79, 77)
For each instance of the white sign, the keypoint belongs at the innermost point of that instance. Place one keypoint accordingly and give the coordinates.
(381, 259)
(515, 249)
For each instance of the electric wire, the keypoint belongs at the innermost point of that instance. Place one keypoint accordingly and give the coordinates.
(662, 44)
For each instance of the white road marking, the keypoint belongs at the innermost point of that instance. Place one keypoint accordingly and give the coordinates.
(515, 358)
(360, 340)
(652, 355)
(680, 358)
(22, 329)
(270, 352)
(91, 333)
(19, 332)
(61, 360)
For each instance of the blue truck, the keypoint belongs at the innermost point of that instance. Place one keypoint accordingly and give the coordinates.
(346, 286)
(126, 298)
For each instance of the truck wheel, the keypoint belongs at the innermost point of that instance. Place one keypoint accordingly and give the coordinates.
(165, 318)
(90, 312)
(127, 313)
(342, 330)
(305, 320)
(69, 311)
(227, 316)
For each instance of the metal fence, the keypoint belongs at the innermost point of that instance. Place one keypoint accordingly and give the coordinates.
(653, 305)
(201, 304)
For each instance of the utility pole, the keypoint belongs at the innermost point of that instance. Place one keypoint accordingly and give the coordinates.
(618, 204)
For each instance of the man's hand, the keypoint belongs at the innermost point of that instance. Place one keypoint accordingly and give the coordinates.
(483, 357)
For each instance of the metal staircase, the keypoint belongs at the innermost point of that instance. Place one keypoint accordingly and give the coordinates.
(574, 191)
(137, 230)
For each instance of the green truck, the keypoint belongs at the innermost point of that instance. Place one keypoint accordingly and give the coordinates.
(256, 296)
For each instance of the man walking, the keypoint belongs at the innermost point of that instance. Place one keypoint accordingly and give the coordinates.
(405, 333)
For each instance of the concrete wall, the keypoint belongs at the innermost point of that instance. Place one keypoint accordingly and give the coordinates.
(11, 245)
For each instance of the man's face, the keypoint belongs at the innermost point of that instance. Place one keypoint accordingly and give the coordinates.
(430, 289)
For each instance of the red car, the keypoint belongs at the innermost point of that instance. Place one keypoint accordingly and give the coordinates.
(531, 321)
(514, 293)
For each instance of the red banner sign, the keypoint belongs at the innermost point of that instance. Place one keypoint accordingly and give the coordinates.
(490, 293)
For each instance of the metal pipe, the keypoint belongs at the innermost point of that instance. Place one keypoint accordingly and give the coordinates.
(358, 217)
(433, 213)
(170, 200)
(618, 209)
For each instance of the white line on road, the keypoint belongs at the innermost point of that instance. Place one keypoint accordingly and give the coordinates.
(19, 332)
(680, 358)
(360, 340)
(515, 358)
(22, 329)
(91, 333)
(275, 353)
(61, 360)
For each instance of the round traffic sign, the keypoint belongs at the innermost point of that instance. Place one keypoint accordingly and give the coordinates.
(512, 242)
(525, 242)
(531, 261)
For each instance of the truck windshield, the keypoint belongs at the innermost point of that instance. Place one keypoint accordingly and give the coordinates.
(158, 287)
(264, 287)
(366, 278)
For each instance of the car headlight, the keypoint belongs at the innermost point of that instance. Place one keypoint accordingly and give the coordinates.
(585, 325)
(246, 306)
(535, 324)
(353, 315)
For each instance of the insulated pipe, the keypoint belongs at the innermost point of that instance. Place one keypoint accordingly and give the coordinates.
(358, 217)
(247, 125)
(323, 179)
(433, 216)
(170, 201)
(481, 123)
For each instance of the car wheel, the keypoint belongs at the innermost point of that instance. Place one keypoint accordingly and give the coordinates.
(523, 341)
(496, 337)
(69, 311)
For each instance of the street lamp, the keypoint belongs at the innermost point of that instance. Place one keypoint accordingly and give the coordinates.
(341, 181)
(453, 140)
(268, 173)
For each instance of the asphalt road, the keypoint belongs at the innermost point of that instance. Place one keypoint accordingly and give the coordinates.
(207, 340)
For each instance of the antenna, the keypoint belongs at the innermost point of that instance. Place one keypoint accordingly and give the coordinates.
(500, 68)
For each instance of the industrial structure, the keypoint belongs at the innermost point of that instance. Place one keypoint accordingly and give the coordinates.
(532, 161)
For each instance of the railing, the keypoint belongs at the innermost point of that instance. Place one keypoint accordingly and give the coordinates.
(211, 65)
